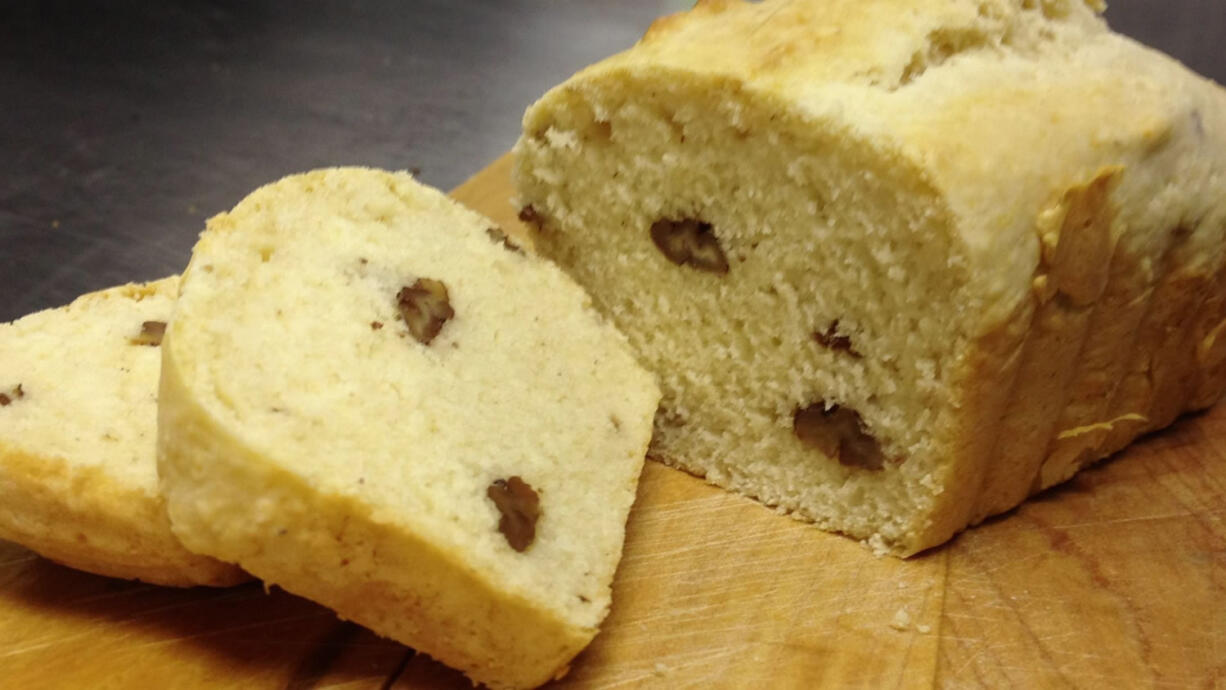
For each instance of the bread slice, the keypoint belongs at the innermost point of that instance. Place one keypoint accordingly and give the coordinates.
(374, 399)
(897, 264)
(78, 414)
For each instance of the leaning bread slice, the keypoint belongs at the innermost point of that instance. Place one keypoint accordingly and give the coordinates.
(899, 264)
(78, 412)
(374, 399)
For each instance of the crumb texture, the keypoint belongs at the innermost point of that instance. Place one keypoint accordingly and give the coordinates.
(897, 265)
(370, 400)
(78, 414)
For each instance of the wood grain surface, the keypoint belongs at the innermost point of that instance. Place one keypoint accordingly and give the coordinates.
(1115, 580)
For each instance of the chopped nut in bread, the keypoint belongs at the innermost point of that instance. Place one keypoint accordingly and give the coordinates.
(520, 507)
(983, 192)
(383, 468)
(425, 307)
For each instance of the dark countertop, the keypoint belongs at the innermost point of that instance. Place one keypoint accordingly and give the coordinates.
(124, 125)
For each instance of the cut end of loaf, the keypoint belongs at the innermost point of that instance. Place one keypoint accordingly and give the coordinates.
(795, 289)
(897, 265)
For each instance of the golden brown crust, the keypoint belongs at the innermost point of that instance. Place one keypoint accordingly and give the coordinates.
(1111, 333)
(1068, 286)
(1210, 342)
(1062, 153)
(992, 366)
(1068, 397)
(82, 518)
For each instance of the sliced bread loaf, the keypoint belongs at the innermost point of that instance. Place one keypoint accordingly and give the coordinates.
(897, 264)
(78, 414)
(374, 399)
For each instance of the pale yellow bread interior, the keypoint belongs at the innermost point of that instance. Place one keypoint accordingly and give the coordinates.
(309, 435)
(926, 258)
(78, 416)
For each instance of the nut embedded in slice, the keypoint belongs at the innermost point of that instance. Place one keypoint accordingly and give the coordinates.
(497, 235)
(528, 214)
(15, 394)
(840, 433)
(831, 339)
(425, 307)
(690, 242)
(382, 458)
(85, 408)
(994, 311)
(520, 507)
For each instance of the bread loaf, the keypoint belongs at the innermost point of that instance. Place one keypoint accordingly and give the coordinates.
(78, 414)
(374, 399)
(898, 265)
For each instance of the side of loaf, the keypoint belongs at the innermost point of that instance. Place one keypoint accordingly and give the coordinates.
(898, 265)
(78, 409)
(373, 398)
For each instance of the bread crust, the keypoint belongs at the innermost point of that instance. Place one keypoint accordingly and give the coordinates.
(1083, 175)
(82, 518)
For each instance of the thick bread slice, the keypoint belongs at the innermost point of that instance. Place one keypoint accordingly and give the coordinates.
(898, 264)
(312, 435)
(78, 414)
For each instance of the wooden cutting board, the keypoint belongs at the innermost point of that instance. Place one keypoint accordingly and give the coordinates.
(1117, 579)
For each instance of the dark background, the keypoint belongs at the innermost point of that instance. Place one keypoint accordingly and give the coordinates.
(124, 125)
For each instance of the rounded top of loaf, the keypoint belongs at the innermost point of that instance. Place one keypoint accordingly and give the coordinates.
(994, 108)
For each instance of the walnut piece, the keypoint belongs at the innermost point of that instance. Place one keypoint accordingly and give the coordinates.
(425, 307)
(840, 433)
(831, 339)
(497, 235)
(529, 215)
(689, 242)
(151, 333)
(16, 393)
(520, 507)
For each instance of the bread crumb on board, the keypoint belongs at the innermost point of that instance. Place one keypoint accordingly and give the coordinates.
(901, 620)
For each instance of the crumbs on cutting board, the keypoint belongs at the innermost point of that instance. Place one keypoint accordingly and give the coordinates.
(902, 622)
